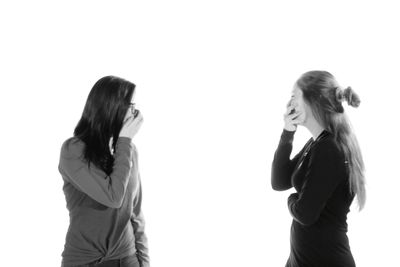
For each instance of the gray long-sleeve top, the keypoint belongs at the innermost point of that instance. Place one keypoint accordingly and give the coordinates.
(106, 221)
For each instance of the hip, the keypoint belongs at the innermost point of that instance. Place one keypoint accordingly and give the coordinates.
(128, 261)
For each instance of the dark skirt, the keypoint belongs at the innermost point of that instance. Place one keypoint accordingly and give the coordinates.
(319, 246)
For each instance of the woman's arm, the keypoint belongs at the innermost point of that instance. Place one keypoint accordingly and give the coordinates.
(138, 223)
(108, 190)
(282, 165)
(322, 178)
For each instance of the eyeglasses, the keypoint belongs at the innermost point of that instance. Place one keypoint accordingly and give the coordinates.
(132, 107)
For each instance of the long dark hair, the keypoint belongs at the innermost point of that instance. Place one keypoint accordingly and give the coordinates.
(103, 118)
(322, 92)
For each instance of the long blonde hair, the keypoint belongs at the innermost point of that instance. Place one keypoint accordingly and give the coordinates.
(321, 91)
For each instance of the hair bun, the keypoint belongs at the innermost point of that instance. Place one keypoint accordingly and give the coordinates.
(351, 97)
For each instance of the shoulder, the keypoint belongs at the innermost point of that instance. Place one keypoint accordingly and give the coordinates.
(327, 148)
(328, 159)
(73, 146)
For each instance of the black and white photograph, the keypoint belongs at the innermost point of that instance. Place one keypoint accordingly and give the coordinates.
(200, 133)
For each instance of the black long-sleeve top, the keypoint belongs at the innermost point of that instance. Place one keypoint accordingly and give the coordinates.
(320, 205)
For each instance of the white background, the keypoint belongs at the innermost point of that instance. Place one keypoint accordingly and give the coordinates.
(213, 79)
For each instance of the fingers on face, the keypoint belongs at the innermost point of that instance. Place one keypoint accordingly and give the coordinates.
(138, 120)
(127, 115)
(292, 116)
(296, 114)
(297, 118)
(127, 119)
(290, 108)
(139, 116)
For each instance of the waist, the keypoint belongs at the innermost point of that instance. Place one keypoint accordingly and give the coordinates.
(318, 234)
(83, 246)
(128, 260)
(321, 226)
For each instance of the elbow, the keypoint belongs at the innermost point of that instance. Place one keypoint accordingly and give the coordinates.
(275, 187)
(116, 204)
(278, 187)
(116, 195)
(116, 201)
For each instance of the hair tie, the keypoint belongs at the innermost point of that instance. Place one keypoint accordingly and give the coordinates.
(339, 95)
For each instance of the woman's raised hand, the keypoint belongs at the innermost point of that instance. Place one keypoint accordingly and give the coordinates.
(131, 124)
(291, 117)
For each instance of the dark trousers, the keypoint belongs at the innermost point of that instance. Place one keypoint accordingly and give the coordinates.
(129, 261)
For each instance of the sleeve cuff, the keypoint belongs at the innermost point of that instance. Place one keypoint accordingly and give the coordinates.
(124, 139)
(291, 201)
(292, 198)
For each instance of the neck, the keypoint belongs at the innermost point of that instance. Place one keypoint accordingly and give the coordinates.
(315, 128)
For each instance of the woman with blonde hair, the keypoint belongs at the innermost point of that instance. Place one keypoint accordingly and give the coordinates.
(327, 173)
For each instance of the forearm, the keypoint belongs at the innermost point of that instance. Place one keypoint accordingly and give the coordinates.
(141, 244)
(142, 251)
(108, 190)
(282, 166)
(300, 214)
(118, 179)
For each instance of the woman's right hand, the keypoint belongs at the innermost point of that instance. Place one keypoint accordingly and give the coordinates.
(131, 124)
(291, 117)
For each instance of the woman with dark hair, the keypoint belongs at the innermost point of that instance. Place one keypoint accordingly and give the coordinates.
(326, 174)
(102, 187)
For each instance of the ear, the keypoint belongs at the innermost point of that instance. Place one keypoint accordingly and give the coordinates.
(309, 114)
